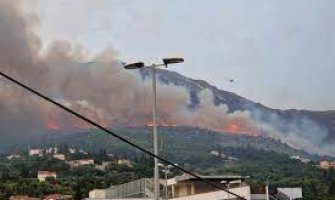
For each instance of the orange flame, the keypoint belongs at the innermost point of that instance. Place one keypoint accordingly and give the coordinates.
(52, 124)
(230, 128)
(236, 129)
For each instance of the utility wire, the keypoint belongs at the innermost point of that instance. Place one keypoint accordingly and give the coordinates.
(93, 123)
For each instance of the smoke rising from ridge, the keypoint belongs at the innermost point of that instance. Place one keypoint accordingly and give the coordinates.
(102, 90)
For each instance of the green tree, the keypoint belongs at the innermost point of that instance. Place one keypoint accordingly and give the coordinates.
(331, 190)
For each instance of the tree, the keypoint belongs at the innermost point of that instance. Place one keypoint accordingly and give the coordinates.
(78, 195)
(331, 190)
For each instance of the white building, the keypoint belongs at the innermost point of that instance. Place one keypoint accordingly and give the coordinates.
(179, 188)
(301, 159)
(187, 187)
(215, 153)
(13, 156)
(326, 164)
(77, 163)
(42, 175)
(86, 162)
(124, 162)
(289, 193)
(51, 150)
(98, 194)
(83, 152)
(59, 156)
(72, 150)
(35, 152)
(280, 194)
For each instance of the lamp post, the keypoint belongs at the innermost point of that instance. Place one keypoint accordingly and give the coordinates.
(139, 65)
(166, 171)
(227, 182)
(267, 187)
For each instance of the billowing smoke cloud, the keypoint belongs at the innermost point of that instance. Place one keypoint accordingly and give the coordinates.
(102, 90)
(298, 131)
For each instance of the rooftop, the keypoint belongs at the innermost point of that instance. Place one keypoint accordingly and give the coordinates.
(186, 177)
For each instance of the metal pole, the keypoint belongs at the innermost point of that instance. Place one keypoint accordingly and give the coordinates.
(267, 188)
(154, 129)
(166, 187)
(228, 190)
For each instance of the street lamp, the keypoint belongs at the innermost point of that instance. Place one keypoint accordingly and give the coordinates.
(140, 65)
(267, 187)
(228, 182)
(166, 170)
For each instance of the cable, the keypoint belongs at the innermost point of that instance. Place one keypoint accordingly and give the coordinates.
(115, 135)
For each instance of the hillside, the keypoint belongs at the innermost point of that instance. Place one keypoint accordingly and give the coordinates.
(180, 144)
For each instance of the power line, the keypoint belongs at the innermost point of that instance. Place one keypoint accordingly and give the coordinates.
(95, 124)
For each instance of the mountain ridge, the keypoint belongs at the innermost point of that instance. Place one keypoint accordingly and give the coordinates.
(316, 127)
(167, 77)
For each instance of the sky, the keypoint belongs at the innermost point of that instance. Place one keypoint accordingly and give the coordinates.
(280, 53)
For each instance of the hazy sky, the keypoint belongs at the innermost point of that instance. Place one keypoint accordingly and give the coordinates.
(281, 53)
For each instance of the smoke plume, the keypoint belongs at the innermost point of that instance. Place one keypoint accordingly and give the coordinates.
(102, 90)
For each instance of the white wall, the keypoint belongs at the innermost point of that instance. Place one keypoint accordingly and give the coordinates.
(293, 193)
(258, 196)
(97, 194)
(218, 195)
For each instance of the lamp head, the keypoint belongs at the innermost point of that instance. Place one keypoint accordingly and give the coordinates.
(168, 61)
(137, 65)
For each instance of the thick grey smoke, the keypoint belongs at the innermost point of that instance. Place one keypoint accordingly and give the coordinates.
(102, 90)
(299, 132)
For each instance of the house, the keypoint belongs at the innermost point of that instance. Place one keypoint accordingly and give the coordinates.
(54, 197)
(22, 197)
(51, 150)
(326, 164)
(222, 155)
(13, 156)
(295, 157)
(42, 175)
(59, 156)
(301, 159)
(215, 153)
(86, 162)
(123, 162)
(36, 152)
(288, 193)
(19, 197)
(72, 150)
(103, 166)
(77, 163)
(98, 194)
(189, 187)
(280, 193)
(73, 163)
(83, 152)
